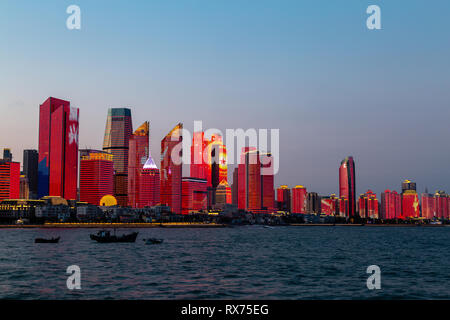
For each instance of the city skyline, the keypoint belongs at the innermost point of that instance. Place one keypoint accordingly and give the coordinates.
(374, 95)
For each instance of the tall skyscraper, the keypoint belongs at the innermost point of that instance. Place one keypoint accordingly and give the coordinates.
(149, 184)
(171, 168)
(137, 157)
(9, 180)
(442, 204)
(253, 181)
(223, 195)
(299, 200)
(96, 175)
(267, 183)
(58, 149)
(30, 170)
(347, 184)
(313, 203)
(235, 186)
(118, 131)
(428, 206)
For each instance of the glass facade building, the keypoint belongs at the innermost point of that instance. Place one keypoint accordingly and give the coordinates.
(96, 175)
(299, 199)
(30, 170)
(149, 184)
(58, 149)
(9, 180)
(172, 168)
(116, 141)
(347, 185)
(137, 157)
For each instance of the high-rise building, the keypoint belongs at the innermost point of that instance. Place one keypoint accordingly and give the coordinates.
(118, 131)
(329, 205)
(253, 181)
(171, 168)
(58, 149)
(30, 170)
(194, 195)
(428, 206)
(313, 203)
(284, 198)
(149, 184)
(7, 155)
(267, 183)
(96, 175)
(235, 186)
(442, 204)
(368, 205)
(299, 199)
(9, 180)
(347, 184)
(410, 200)
(391, 205)
(137, 157)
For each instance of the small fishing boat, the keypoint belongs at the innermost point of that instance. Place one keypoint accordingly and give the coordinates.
(153, 241)
(104, 236)
(42, 240)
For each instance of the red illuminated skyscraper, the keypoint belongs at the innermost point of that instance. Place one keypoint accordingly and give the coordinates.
(171, 168)
(149, 187)
(347, 184)
(391, 205)
(137, 156)
(299, 197)
(116, 141)
(267, 183)
(368, 205)
(9, 180)
(442, 204)
(58, 149)
(96, 175)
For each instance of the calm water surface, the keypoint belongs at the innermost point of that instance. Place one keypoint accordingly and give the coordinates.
(230, 263)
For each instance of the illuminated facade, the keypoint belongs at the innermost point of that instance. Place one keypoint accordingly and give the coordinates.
(194, 196)
(171, 169)
(137, 156)
(391, 205)
(116, 141)
(410, 204)
(149, 184)
(368, 205)
(58, 149)
(284, 198)
(299, 199)
(223, 195)
(9, 180)
(253, 181)
(442, 204)
(428, 206)
(96, 175)
(235, 186)
(329, 205)
(347, 184)
(267, 183)
(313, 203)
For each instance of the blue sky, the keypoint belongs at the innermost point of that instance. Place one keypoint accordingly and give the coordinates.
(310, 68)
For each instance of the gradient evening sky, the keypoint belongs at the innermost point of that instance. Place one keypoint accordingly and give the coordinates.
(310, 68)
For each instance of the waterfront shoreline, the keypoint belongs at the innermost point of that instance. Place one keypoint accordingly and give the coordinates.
(190, 225)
